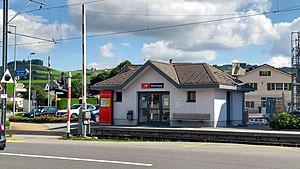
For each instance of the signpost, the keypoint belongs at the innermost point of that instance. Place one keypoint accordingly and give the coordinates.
(21, 72)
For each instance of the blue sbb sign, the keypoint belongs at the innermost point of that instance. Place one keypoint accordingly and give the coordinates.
(152, 85)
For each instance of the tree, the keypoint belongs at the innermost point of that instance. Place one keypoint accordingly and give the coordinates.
(106, 75)
(76, 89)
(41, 95)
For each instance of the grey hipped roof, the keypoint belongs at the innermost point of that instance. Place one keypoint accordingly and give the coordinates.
(181, 75)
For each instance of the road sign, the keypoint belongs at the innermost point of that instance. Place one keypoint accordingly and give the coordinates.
(21, 72)
(3, 96)
(7, 77)
(59, 92)
(1, 88)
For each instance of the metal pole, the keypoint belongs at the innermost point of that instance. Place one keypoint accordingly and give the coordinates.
(29, 88)
(4, 58)
(15, 68)
(82, 127)
(69, 104)
(49, 69)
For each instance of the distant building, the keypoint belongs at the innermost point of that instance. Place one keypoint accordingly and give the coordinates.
(269, 83)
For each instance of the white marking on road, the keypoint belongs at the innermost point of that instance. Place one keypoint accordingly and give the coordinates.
(77, 159)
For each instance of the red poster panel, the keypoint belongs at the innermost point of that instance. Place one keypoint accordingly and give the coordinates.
(106, 106)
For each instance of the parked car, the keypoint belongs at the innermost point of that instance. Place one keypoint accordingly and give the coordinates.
(2, 138)
(75, 108)
(95, 113)
(41, 111)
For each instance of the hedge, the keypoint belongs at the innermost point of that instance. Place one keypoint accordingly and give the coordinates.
(41, 119)
(285, 121)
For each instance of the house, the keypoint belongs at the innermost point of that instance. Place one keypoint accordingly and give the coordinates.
(172, 94)
(270, 84)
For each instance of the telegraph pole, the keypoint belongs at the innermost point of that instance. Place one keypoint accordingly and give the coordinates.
(4, 59)
(49, 83)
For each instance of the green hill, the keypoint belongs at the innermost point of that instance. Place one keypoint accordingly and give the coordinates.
(39, 74)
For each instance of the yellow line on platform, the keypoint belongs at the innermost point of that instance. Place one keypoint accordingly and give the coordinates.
(15, 141)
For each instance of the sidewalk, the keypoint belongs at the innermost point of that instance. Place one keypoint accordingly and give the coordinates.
(37, 128)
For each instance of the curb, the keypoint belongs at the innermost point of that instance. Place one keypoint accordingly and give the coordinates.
(24, 132)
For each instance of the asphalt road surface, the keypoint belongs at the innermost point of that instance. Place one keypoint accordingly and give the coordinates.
(36, 152)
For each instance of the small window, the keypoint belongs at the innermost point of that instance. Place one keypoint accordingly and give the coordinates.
(264, 73)
(191, 96)
(250, 104)
(253, 85)
(118, 96)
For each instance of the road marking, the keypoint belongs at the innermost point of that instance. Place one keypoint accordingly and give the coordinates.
(78, 159)
(15, 141)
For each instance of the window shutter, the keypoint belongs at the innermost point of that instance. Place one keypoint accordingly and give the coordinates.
(268, 86)
(255, 86)
(290, 86)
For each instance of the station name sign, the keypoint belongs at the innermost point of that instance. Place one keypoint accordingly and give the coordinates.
(152, 85)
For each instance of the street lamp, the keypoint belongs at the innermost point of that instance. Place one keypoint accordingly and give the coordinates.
(29, 83)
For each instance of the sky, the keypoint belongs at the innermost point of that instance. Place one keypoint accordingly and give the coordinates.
(210, 31)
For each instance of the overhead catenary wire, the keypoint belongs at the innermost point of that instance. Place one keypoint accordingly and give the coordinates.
(172, 26)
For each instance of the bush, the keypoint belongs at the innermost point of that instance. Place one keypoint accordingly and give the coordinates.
(7, 124)
(19, 114)
(285, 121)
(41, 119)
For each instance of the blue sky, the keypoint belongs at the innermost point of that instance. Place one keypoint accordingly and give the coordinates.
(263, 38)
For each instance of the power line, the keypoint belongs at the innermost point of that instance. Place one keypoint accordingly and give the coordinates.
(170, 26)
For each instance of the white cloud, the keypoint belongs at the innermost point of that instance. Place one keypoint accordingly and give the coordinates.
(106, 50)
(218, 36)
(279, 61)
(36, 26)
(100, 66)
(162, 50)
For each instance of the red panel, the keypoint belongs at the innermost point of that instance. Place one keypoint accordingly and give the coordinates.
(106, 106)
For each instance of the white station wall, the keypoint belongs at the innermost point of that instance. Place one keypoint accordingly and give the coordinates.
(130, 96)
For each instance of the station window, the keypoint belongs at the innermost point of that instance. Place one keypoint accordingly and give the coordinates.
(191, 96)
(118, 97)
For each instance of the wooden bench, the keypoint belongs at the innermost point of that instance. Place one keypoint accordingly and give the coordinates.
(191, 116)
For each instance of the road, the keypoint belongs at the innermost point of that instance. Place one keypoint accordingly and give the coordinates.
(36, 152)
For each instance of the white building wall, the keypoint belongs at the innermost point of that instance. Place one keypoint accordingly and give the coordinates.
(220, 109)
(130, 96)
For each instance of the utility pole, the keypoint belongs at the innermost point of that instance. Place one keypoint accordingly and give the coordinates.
(15, 68)
(49, 83)
(4, 59)
(83, 114)
(29, 81)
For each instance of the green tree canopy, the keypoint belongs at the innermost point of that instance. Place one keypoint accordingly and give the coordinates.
(41, 95)
(106, 75)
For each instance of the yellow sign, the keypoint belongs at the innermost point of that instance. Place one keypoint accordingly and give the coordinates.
(105, 102)
(57, 99)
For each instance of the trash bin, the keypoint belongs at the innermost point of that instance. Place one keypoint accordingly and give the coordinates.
(130, 114)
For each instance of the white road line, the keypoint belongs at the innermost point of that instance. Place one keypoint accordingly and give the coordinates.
(77, 159)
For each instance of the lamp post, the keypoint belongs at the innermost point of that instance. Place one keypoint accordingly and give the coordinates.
(15, 68)
(29, 83)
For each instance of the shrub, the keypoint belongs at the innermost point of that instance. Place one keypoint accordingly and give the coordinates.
(285, 121)
(19, 114)
(7, 124)
(41, 119)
